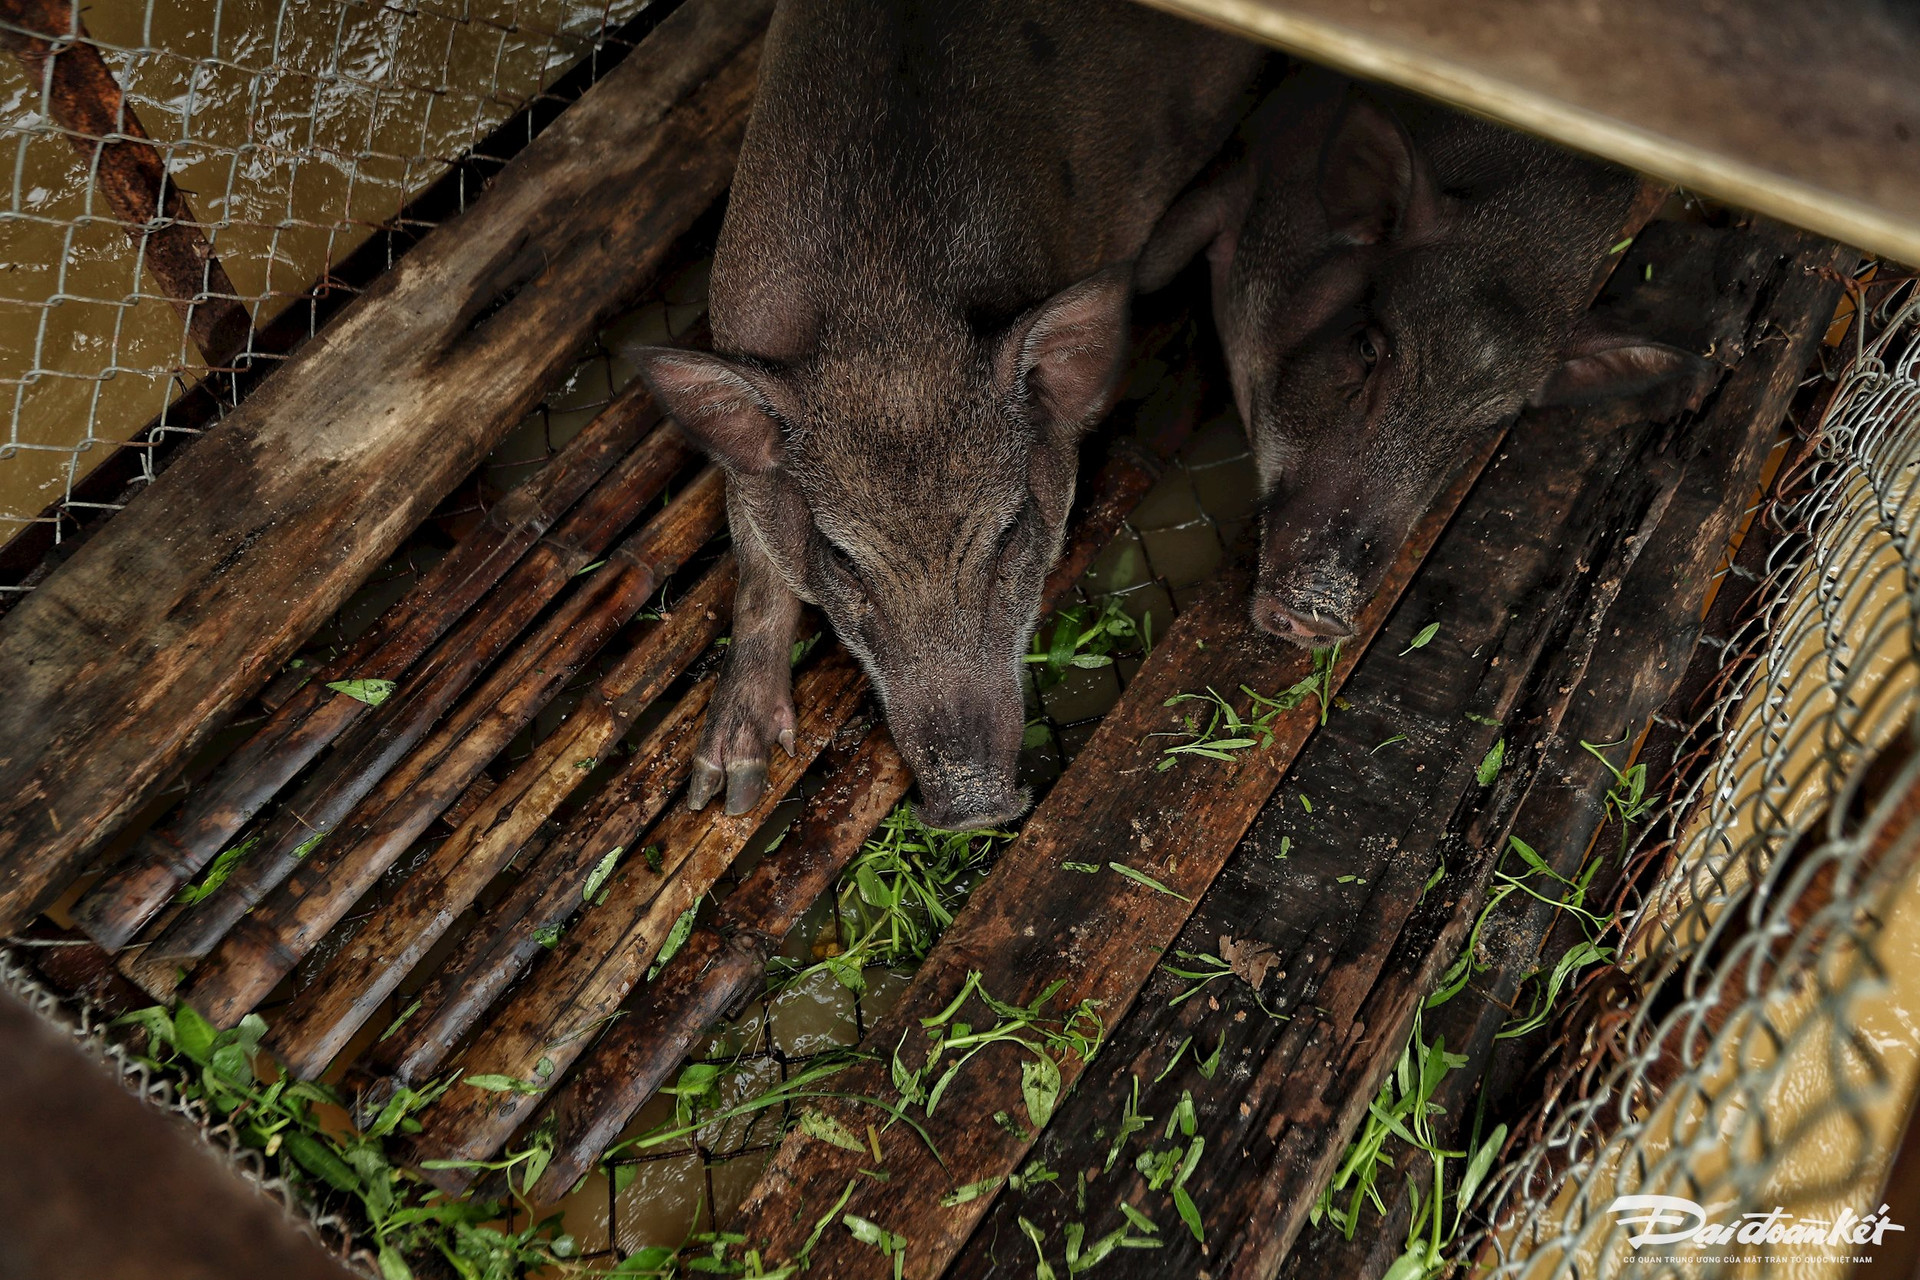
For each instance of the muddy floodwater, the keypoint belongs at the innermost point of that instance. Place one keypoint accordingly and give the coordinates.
(296, 130)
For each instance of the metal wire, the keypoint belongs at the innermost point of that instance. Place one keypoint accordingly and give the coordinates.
(1744, 1064)
(296, 129)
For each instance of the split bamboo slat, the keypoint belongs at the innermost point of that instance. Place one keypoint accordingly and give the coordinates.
(133, 652)
(721, 963)
(268, 941)
(484, 592)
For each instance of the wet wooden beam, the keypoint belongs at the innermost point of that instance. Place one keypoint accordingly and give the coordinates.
(134, 651)
(1807, 110)
(78, 92)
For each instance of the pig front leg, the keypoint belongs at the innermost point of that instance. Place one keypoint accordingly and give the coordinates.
(752, 705)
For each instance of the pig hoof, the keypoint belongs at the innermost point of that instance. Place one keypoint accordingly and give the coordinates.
(751, 711)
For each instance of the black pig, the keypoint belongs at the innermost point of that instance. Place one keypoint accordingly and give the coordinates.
(1391, 280)
(920, 296)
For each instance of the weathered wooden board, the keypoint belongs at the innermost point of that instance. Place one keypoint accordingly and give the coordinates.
(131, 653)
(1646, 640)
(1525, 588)
(1808, 110)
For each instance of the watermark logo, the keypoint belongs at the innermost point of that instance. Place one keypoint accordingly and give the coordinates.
(1671, 1220)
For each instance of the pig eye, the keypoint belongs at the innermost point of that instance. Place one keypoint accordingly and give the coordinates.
(1368, 349)
(842, 562)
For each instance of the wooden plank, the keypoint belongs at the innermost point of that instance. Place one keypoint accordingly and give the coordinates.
(1807, 110)
(1526, 589)
(1034, 924)
(133, 651)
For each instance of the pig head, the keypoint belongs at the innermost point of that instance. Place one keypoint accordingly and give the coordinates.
(920, 298)
(1392, 281)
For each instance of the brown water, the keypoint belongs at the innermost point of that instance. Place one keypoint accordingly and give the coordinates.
(296, 128)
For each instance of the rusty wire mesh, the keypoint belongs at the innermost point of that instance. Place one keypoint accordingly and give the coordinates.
(1756, 1051)
(296, 132)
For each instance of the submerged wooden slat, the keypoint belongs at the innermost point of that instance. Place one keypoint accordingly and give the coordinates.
(265, 944)
(501, 548)
(132, 652)
(1808, 110)
(1035, 923)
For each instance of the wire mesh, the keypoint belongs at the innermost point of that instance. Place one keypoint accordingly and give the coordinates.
(295, 131)
(1752, 1054)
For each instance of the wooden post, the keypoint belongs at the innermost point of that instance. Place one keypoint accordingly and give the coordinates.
(130, 654)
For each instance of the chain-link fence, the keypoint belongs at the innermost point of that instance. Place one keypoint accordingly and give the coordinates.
(302, 144)
(1754, 1050)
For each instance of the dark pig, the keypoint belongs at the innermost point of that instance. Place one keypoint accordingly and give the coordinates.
(1392, 279)
(920, 299)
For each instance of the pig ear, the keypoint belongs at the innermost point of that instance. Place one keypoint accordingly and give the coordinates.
(1602, 365)
(1375, 184)
(1065, 357)
(730, 410)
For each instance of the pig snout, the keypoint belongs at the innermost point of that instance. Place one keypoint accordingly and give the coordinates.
(1319, 563)
(964, 748)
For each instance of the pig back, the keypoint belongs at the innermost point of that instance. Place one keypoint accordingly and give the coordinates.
(976, 155)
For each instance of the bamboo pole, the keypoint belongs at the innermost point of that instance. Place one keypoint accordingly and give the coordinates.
(314, 717)
(385, 742)
(353, 985)
(265, 944)
(549, 1020)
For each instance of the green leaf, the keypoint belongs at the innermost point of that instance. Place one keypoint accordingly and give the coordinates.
(1040, 1086)
(1422, 638)
(392, 1265)
(371, 692)
(676, 939)
(501, 1084)
(1139, 1219)
(819, 1125)
(1489, 768)
(216, 873)
(193, 1033)
(1147, 880)
(971, 1191)
(1189, 1214)
(598, 876)
(1042, 1270)
(319, 1160)
(867, 1231)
